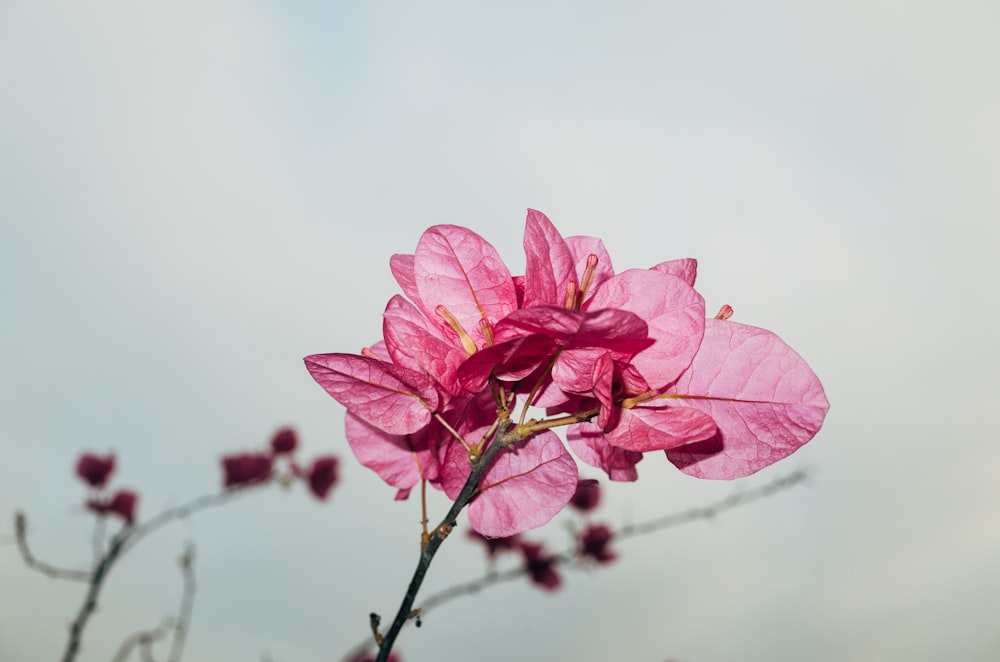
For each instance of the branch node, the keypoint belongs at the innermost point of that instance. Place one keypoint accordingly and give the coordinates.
(374, 620)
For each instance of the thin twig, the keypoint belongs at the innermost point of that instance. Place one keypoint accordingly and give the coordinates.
(187, 605)
(142, 638)
(21, 535)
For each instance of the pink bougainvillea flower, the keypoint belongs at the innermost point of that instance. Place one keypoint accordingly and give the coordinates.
(284, 441)
(594, 543)
(95, 470)
(587, 495)
(323, 476)
(764, 399)
(521, 490)
(541, 566)
(122, 504)
(392, 398)
(246, 468)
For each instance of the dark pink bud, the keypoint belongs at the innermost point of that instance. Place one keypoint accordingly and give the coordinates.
(94, 469)
(246, 468)
(121, 504)
(594, 543)
(323, 476)
(496, 545)
(541, 566)
(587, 495)
(284, 441)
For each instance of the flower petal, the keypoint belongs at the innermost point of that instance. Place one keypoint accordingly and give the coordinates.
(613, 329)
(390, 397)
(674, 312)
(521, 490)
(399, 460)
(685, 268)
(764, 398)
(549, 267)
(456, 268)
(656, 426)
(413, 342)
(588, 443)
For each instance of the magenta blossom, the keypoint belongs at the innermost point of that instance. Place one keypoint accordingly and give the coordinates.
(284, 441)
(122, 504)
(323, 476)
(594, 542)
(242, 469)
(627, 362)
(541, 566)
(587, 495)
(95, 470)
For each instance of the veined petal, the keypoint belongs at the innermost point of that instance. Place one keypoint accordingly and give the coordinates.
(619, 330)
(685, 268)
(764, 398)
(459, 270)
(511, 360)
(656, 426)
(401, 266)
(392, 398)
(674, 312)
(581, 248)
(399, 460)
(549, 266)
(588, 443)
(415, 343)
(522, 489)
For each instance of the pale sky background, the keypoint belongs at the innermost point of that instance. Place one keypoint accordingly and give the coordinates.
(194, 197)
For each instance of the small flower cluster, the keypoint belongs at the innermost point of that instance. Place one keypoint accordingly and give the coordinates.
(249, 468)
(95, 470)
(626, 361)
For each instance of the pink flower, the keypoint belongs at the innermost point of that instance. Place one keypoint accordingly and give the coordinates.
(122, 504)
(242, 469)
(587, 495)
(94, 469)
(541, 566)
(323, 476)
(284, 441)
(594, 541)
(627, 362)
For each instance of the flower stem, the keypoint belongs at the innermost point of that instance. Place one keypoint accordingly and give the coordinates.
(504, 437)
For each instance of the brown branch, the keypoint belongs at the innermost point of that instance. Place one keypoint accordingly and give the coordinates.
(90, 601)
(21, 535)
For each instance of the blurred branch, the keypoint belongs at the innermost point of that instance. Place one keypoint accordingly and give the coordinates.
(570, 556)
(179, 625)
(21, 535)
(126, 539)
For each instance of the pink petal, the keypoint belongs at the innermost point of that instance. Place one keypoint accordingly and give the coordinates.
(401, 267)
(392, 398)
(512, 360)
(590, 445)
(413, 342)
(613, 329)
(521, 490)
(764, 398)
(549, 266)
(686, 269)
(456, 268)
(399, 460)
(656, 426)
(582, 247)
(674, 312)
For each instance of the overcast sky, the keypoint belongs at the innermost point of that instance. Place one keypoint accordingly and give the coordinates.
(195, 197)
